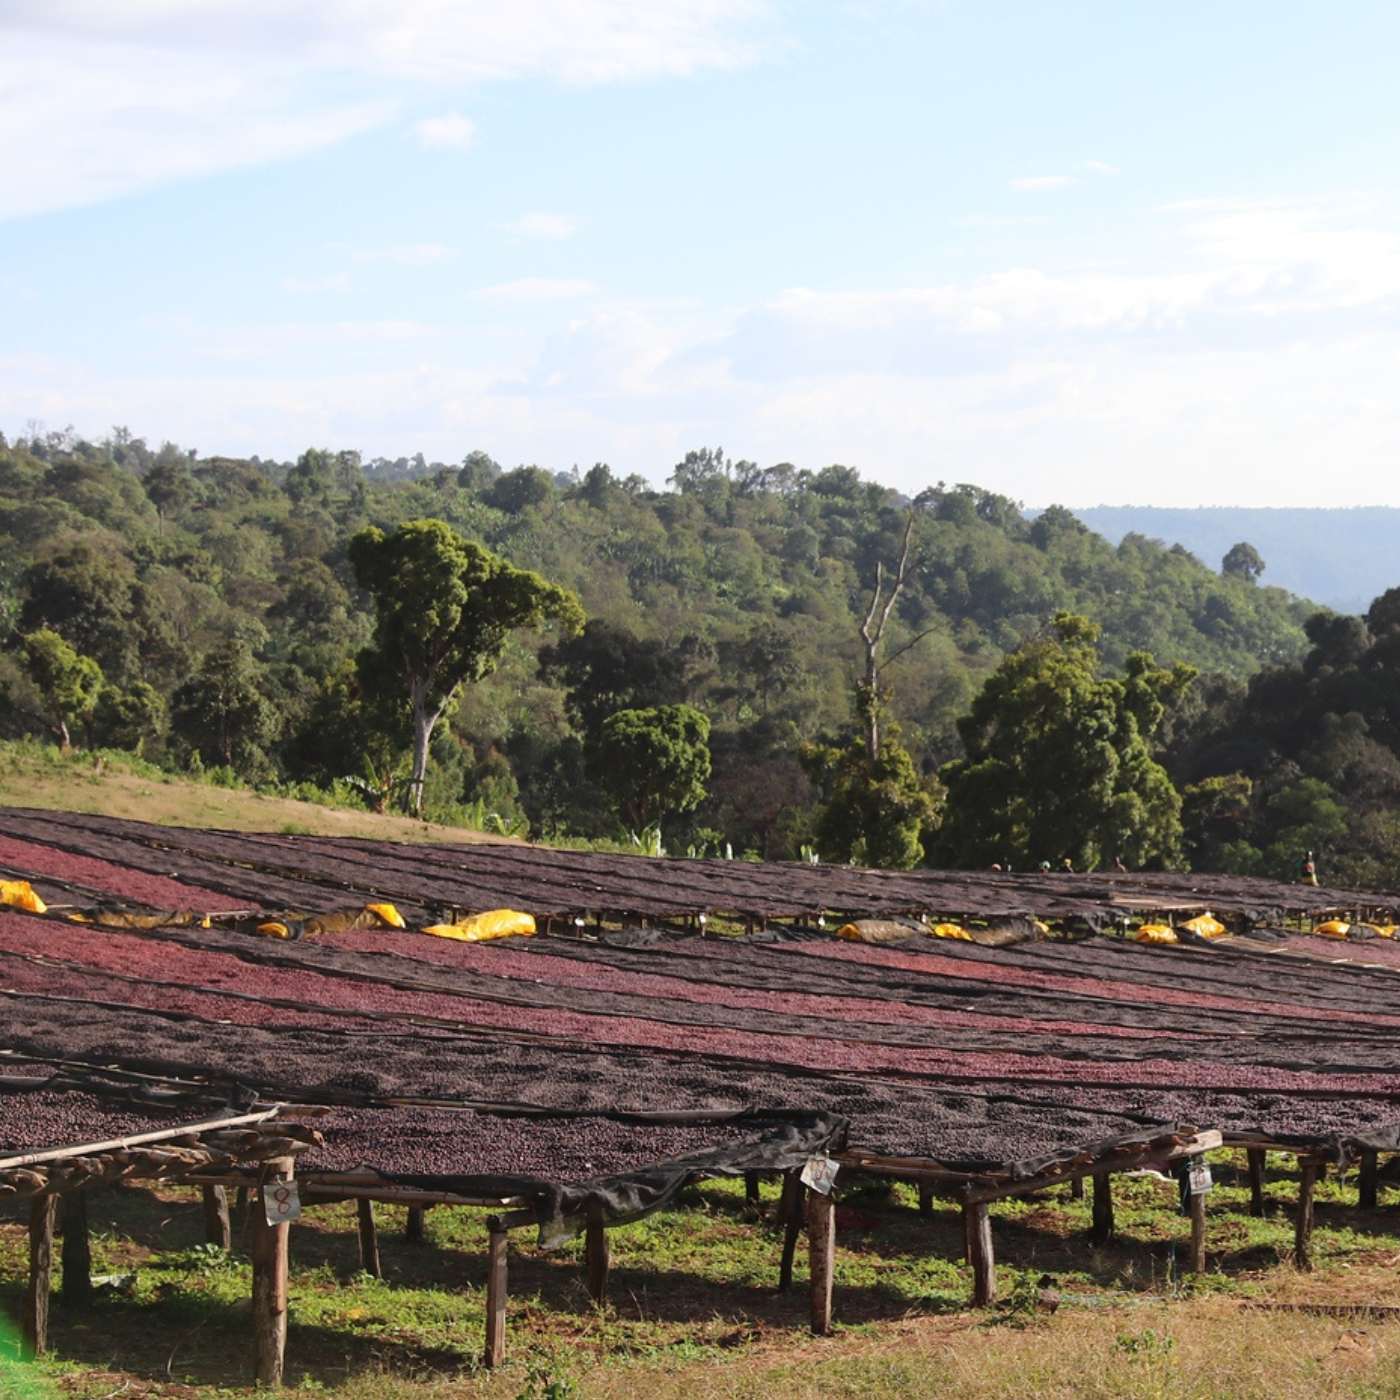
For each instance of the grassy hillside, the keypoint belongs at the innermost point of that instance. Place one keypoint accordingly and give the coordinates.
(118, 785)
(1343, 558)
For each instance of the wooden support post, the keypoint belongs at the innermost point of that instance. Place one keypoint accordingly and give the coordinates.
(1257, 1157)
(1076, 1189)
(751, 1191)
(925, 1199)
(76, 1288)
(496, 1291)
(1196, 1208)
(1368, 1182)
(793, 1191)
(597, 1254)
(821, 1246)
(1303, 1226)
(217, 1227)
(413, 1232)
(369, 1238)
(270, 1247)
(1101, 1231)
(978, 1226)
(34, 1317)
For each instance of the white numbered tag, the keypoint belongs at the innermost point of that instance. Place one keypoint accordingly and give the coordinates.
(281, 1202)
(820, 1174)
(1199, 1177)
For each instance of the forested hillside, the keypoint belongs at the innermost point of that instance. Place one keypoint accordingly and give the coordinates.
(207, 612)
(1342, 557)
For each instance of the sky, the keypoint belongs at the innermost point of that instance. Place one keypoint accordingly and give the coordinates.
(1076, 252)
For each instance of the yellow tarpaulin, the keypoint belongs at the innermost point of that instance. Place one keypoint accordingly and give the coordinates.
(494, 923)
(1333, 928)
(1206, 925)
(951, 931)
(19, 894)
(1155, 933)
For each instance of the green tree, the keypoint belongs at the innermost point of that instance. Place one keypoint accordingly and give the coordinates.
(875, 811)
(223, 711)
(654, 762)
(68, 683)
(1242, 561)
(1058, 759)
(444, 609)
(130, 718)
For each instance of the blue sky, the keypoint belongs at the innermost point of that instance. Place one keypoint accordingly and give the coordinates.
(1076, 252)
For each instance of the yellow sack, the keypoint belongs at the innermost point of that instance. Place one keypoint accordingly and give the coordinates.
(386, 914)
(950, 931)
(274, 928)
(20, 895)
(495, 923)
(1155, 933)
(1385, 930)
(1333, 928)
(1206, 925)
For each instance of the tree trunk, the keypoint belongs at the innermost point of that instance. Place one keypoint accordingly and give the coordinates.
(65, 742)
(424, 722)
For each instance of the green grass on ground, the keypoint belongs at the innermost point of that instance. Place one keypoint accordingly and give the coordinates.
(119, 785)
(693, 1311)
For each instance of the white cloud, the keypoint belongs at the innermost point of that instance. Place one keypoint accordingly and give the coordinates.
(451, 132)
(1041, 182)
(99, 98)
(1101, 167)
(539, 289)
(406, 254)
(552, 227)
(331, 282)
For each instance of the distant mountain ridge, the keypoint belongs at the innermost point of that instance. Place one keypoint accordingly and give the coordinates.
(1342, 557)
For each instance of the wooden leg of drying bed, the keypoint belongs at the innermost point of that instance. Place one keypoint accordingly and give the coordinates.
(597, 1258)
(369, 1238)
(1303, 1225)
(821, 1244)
(1196, 1208)
(751, 1191)
(1368, 1183)
(413, 1232)
(496, 1292)
(978, 1226)
(217, 1227)
(34, 1315)
(793, 1191)
(77, 1251)
(925, 1200)
(1257, 1157)
(1101, 1231)
(270, 1248)
(1076, 1189)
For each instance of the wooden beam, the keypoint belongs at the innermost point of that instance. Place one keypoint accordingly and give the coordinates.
(1076, 1189)
(1257, 1161)
(821, 1246)
(791, 1213)
(498, 1241)
(270, 1248)
(1303, 1224)
(1368, 1182)
(978, 1228)
(76, 1288)
(92, 1149)
(751, 1191)
(217, 1227)
(34, 1313)
(925, 1199)
(413, 1231)
(369, 1239)
(597, 1255)
(1101, 1231)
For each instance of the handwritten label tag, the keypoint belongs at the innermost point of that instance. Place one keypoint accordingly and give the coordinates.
(1199, 1178)
(281, 1202)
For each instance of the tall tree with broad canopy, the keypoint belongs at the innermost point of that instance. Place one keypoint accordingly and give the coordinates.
(655, 762)
(67, 683)
(1058, 759)
(444, 609)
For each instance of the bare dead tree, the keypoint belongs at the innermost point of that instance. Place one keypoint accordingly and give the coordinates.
(872, 631)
